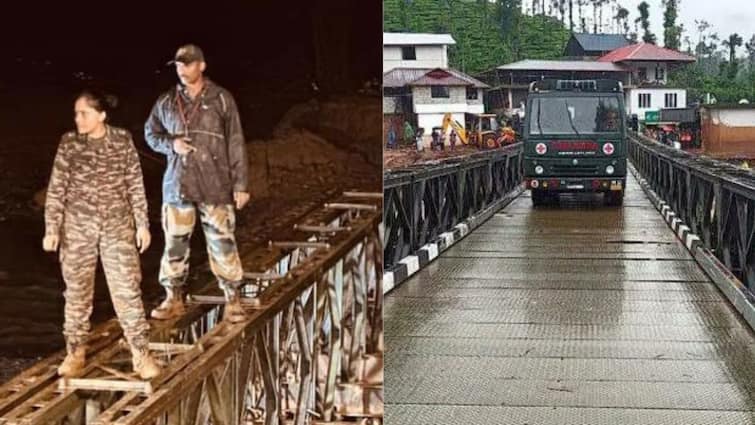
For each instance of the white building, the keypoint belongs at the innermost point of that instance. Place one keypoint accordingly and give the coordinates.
(430, 94)
(649, 67)
(417, 82)
(410, 50)
(643, 99)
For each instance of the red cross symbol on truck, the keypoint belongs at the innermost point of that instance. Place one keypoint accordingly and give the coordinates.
(608, 148)
(540, 148)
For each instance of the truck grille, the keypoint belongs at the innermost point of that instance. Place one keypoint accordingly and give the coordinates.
(575, 169)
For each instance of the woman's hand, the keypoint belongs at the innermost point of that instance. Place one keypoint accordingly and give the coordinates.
(50, 243)
(143, 239)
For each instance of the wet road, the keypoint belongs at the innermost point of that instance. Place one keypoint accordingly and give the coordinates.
(570, 314)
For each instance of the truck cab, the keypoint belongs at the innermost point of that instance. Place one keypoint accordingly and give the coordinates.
(575, 139)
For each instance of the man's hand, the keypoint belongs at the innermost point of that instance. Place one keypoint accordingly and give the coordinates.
(143, 239)
(241, 198)
(182, 146)
(50, 243)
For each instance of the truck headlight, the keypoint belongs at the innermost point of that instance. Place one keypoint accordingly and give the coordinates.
(610, 169)
(539, 169)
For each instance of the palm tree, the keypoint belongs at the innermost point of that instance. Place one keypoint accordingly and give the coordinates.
(571, 15)
(595, 4)
(734, 41)
(622, 17)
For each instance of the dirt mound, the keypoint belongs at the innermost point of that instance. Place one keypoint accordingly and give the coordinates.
(352, 123)
(407, 156)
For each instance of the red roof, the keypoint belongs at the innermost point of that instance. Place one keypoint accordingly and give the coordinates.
(645, 52)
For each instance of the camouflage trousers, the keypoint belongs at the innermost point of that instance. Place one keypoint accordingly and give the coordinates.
(219, 226)
(83, 241)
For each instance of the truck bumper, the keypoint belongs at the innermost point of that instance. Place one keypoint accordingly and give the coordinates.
(575, 184)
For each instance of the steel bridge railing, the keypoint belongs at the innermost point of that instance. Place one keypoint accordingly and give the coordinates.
(714, 198)
(423, 201)
(311, 347)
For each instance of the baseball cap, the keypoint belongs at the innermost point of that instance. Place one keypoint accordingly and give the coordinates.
(188, 53)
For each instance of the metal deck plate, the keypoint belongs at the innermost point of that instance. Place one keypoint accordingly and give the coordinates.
(485, 415)
(575, 314)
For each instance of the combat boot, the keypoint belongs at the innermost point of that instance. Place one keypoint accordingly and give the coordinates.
(173, 306)
(144, 364)
(234, 312)
(73, 363)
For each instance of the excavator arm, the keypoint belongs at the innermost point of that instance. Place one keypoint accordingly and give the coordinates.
(449, 121)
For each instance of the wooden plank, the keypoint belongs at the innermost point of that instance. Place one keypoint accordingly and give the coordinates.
(351, 206)
(320, 229)
(112, 412)
(44, 373)
(74, 384)
(117, 373)
(369, 195)
(262, 276)
(219, 300)
(59, 408)
(297, 244)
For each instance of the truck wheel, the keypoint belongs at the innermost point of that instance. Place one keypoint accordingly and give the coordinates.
(539, 198)
(614, 198)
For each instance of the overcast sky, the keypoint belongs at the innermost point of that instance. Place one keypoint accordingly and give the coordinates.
(725, 17)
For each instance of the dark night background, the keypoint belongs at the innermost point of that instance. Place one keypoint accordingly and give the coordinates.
(265, 52)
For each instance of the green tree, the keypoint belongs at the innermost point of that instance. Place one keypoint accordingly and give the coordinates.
(644, 20)
(734, 41)
(750, 46)
(671, 32)
(622, 19)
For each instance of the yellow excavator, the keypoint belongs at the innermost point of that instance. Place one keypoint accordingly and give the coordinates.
(481, 133)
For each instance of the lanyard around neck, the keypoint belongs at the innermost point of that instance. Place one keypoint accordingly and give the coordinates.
(182, 112)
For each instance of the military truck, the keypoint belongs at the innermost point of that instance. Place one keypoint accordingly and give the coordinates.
(575, 139)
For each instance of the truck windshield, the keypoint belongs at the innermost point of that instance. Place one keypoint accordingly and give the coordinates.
(574, 115)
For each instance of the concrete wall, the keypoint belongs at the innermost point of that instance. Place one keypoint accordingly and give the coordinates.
(427, 57)
(729, 133)
(657, 100)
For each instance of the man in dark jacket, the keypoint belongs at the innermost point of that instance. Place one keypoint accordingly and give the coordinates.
(197, 126)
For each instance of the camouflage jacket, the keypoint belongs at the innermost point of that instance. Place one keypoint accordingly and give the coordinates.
(96, 180)
(219, 166)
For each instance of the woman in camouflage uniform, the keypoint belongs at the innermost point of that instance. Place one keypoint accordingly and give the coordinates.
(96, 208)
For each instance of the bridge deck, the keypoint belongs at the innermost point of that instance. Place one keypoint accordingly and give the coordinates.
(567, 315)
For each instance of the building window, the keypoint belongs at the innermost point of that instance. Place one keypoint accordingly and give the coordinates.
(670, 100)
(472, 93)
(408, 53)
(439, 92)
(642, 74)
(644, 100)
(659, 73)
